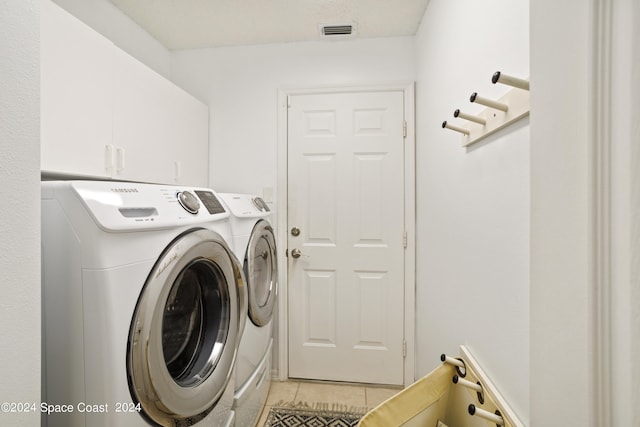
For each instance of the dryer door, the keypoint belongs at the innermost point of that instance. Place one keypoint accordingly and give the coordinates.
(261, 273)
(186, 329)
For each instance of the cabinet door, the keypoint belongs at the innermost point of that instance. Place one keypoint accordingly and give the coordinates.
(76, 95)
(159, 130)
(190, 137)
(141, 117)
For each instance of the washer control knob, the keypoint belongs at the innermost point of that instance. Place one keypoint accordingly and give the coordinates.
(189, 202)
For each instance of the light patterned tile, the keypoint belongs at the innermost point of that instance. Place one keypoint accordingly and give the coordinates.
(335, 396)
(264, 416)
(349, 395)
(282, 391)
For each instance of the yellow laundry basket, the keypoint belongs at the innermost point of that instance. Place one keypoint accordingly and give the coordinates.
(424, 403)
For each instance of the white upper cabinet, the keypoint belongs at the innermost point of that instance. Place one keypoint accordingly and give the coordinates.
(172, 124)
(105, 114)
(76, 78)
(187, 131)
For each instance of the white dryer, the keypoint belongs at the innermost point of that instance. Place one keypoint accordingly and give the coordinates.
(144, 305)
(255, 245)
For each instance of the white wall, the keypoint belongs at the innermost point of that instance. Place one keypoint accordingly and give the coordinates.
(634, 258)
(108, 20)
(585, 222)
(20, 208)
(561, 321)
(634, 282)
(240, 86)
(625, 155)
(585, 227)
(473, 204)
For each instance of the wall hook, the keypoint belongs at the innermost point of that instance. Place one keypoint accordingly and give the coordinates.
(488, 102)
(456, 128)
(498, 77)
(502, 112)
(476, 119)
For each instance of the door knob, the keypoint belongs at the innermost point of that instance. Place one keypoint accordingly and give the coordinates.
(295, 231)
(296, 253)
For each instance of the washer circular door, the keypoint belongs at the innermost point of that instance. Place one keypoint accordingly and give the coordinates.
(261, 272)
(185, 330)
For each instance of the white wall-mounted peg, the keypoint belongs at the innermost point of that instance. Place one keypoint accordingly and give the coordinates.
(476, 119)
(502, 112)
(488, 102)
(463, 131)
(518, 107)
(496, 418)
(498, 77)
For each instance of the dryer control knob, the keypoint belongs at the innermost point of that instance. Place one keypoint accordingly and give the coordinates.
(260, 204)
(189, 202)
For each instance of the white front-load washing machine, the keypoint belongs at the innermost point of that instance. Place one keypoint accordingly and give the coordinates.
(143, 306)
(255, 245)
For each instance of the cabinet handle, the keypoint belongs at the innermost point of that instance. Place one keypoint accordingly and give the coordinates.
(119, 159)
(108, 158)
(176, 170)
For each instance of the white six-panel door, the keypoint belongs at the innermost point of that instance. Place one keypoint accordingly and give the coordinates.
(346, 198)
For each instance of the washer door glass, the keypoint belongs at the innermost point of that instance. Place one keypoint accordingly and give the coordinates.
(261, 273)
(185, 331)
(195, 323)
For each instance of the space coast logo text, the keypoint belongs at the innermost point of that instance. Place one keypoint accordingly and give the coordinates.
(82, 407)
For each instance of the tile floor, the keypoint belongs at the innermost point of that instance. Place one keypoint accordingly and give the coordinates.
(356, 395)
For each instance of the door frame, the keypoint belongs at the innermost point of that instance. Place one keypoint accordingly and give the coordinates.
(408, 89)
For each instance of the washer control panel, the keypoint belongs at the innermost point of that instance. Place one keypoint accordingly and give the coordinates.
(210, 201)
(122, 206)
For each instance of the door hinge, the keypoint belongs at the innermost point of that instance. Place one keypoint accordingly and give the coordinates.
(404, 240)
(404, 129)
(404, 348)
(288, 101)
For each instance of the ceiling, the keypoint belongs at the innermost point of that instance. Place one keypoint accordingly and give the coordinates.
(191, 24)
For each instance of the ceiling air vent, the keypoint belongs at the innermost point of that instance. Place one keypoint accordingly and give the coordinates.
(337, 30)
